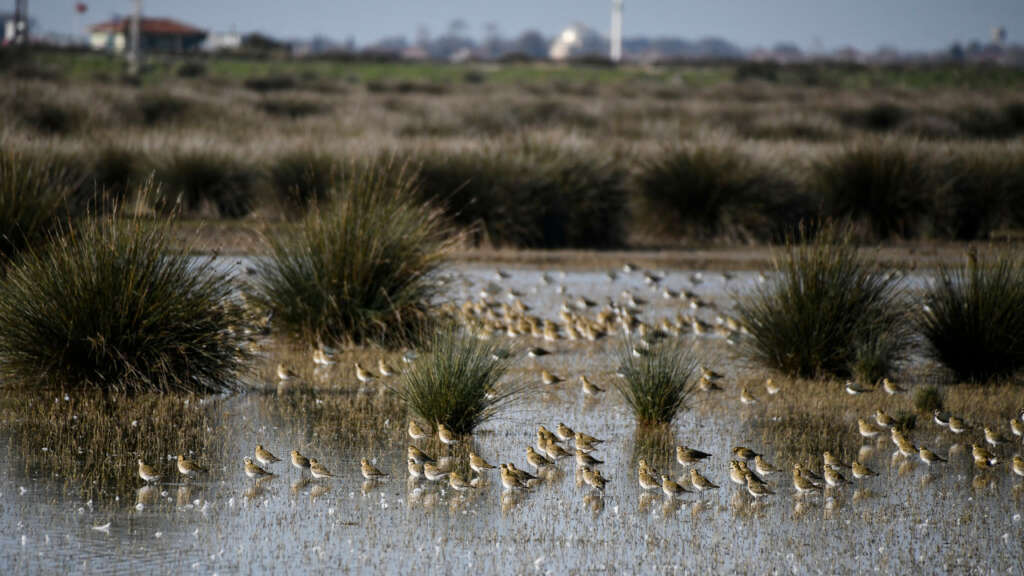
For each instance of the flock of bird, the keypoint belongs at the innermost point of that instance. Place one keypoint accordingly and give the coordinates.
(488, 317)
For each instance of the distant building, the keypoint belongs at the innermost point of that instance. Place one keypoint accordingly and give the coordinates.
(575, 41)
(156, 35)
(222, 42)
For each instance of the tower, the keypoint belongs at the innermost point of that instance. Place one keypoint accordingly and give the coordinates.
(616, 32)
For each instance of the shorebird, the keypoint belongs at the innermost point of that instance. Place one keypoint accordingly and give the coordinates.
(370, 472)
(458, 483)
(384, 368)
(189, 468)
(757, 488)
(555, 451)
(586, 440)
(866, 429)
(299, 461)
(671, 488)
(883, 419)
(416, 432)
(363, 375)
(762, 467)
(263, 456)
(746, 397)
(982, 457)
(445, 435)
(861, 471)
(564, 433)
(1018, 466)
(318, 470)
(1017, 427)
(957, 425)
(891, 388)
(646, 479)
(737, 472)
(699, 482)
(929, 457)
(994, 438)
(147, 472)
(584, 459)
(415, 470)
(254, 471)
(854, 390)
(808, 474)
(433, 473)
(771, 387)
(801, 484)
(550, 379)
(524, 476)
(593, 477)
(832, 461)
(688, 456)
(743, 453)
(536, 460)
(509, 480)
(589, 388)
(478, 464)
(905, 446)
(707, 385)
(939, 418)
(710, 374)
(537, 352)
(833, 478)
(414, 453)
(285, 373)
(320, 358)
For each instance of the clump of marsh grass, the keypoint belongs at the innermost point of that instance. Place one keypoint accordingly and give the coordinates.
(657, 384)
(202, 180)
(973, 317)
(927, 399)
(33, 194)
(456, 381)
(358, 267)
(824, 305)
(111, 304)
(302, 177)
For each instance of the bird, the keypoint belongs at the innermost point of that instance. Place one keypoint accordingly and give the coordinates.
(982, 457)
(299, 461)
(550, 379)
(737, 472)
(585, 439)
(415, 469)
(883, 419)
(746, 397)
(148, 473)
(756, 488)
(593, 478)
(762, 467)
(564, 433)
(363, 375)
(802, 484)
(478, 464)
(809, 474)
(1017, 427)
(536, 460)
(320, 357)
(771, 387)
(743, 453)
(957, 425)
(318, 470)
(584, 459)
(589, 388)
(189, 468)
(285, 373)
(372, 473)
(687, 456)
(706, 384)
(509, 480)
(646, 479)
(263, 456)
(866, 429)
(699, 482)
(832, 461)
(833, 477)
(458, 483)
(555, 451)
(433, 473)
(939, 418)
(384, 368)
(525, 477)
(1018, 466)
(854, 390)
(861, 471)
(537, 352)
(929, 457)
(905, 446)
(994, 438)
(891, 388)
(445, 435)
(418, 455)
(710, 374)
(671, 488)
(254, 471)
(416, 432)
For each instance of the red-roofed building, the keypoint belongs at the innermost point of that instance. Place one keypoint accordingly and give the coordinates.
(156, 34)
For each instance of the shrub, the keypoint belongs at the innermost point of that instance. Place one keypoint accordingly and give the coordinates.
(111, 304)
(158, 107)
(358, 268)
(656, 385)
(882, 187)
(823, 304)
(456, 382)
(48, 117)
(197, 180)
(708, 193)
(116, 172)
(302, 177)
(977, 195)
(879, 117)
(973, 317)
(33, 195)
(269, 83)
(927, 399)
(876, 357)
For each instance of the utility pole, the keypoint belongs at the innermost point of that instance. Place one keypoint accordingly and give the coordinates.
(134, 54)
(616, 32)
(20, 23)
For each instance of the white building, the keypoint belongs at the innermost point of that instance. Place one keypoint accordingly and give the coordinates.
(575, 41)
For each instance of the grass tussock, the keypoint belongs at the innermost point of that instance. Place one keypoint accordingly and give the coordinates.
(111, 304)
(826, 310)
(206, 182)
(708, 192)
(973, 317)
(358, 267)
(33, 195)
(657, 385)
(302, 177)
(456, 381)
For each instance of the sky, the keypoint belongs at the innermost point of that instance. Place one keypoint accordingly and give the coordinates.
(811, 24)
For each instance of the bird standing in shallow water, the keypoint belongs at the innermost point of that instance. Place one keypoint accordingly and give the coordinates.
(478, 464)
(318, 470)
(445, 435)
(370, 472)
(688, 456)
(254, 471)
(671, 488)
(263, 456)
(300, 461)
(189, 468)
(147, 472)
(699, 482)
(416, 432)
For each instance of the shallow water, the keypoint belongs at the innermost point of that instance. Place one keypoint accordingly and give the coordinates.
(908, 519)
